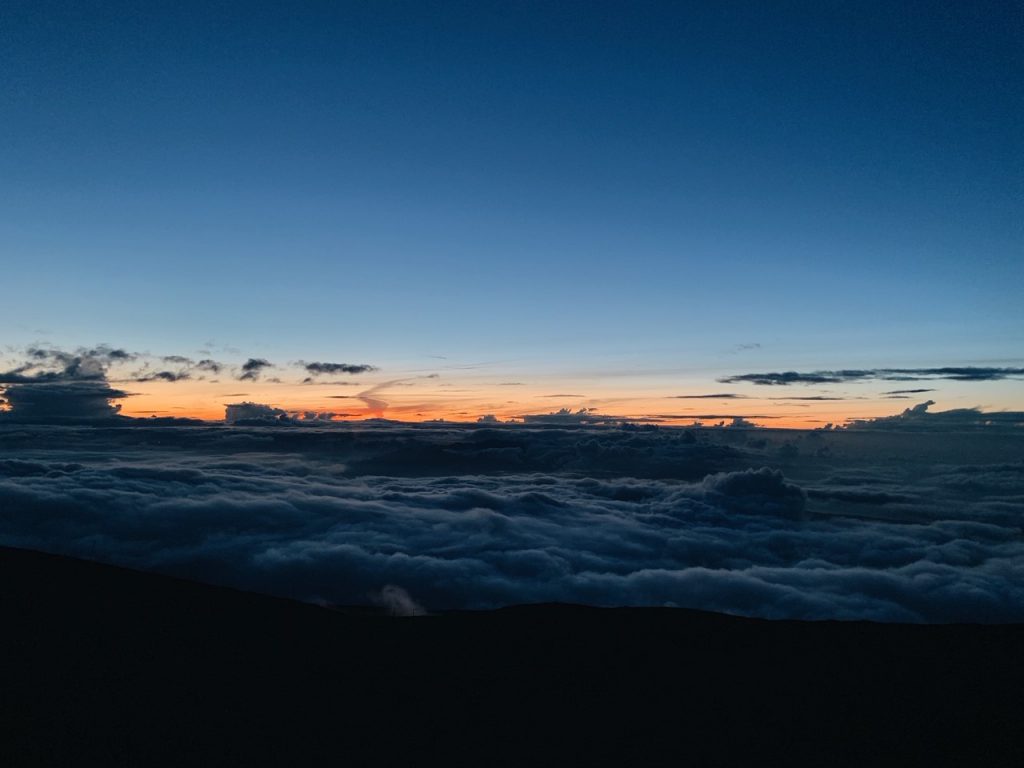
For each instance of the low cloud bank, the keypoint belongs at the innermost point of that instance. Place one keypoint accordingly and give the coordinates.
(476, 518)
(920, 418)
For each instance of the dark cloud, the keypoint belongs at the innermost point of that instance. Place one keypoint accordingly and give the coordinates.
(56, 401)
(23, 375)
(967, 373)
(253, 367)
(55, 365)
(95, 364)
(102, 353)
(563, 395)
(112, 354)
(187, 367)
(437, 517)
(334, 383)
(319, 369)
(719, 396)
(54, 385)
(907, 391)
(170, 376)
(792, 377)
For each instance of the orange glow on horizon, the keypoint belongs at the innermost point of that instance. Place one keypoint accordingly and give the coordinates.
(466, 397)
(199, 402)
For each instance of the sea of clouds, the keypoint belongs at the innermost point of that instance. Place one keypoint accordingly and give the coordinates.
(803, 525)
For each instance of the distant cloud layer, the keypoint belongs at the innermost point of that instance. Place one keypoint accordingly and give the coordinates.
(884, 374)
(920, 418)
(567, 416)
(813, 525)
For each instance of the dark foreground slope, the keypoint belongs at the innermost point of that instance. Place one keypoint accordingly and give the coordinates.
(100, 665)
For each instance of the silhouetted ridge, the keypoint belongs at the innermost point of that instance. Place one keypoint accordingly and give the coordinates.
(107, 666)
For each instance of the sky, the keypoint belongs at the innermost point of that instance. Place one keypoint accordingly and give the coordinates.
(515, 208)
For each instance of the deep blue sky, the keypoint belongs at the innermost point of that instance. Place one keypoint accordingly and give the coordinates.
(576, 186)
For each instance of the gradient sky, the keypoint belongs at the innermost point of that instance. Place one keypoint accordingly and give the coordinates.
(619, 202)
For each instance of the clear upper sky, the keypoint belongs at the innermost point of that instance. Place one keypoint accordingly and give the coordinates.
(626, 197)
